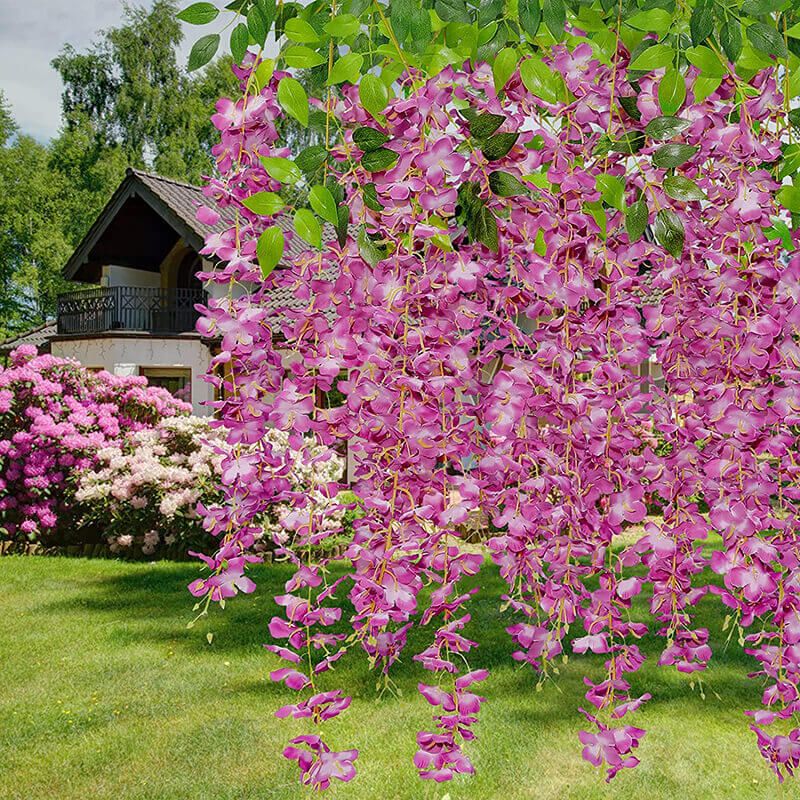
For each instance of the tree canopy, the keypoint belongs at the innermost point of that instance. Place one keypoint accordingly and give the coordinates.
(127, 101)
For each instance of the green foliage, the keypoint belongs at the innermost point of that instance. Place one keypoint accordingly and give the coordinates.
(270, 249)
(131, 89)
(127, 101)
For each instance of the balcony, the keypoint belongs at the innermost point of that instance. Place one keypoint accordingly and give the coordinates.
(128, 308)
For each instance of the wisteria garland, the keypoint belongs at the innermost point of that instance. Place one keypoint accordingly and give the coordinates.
(491, 303)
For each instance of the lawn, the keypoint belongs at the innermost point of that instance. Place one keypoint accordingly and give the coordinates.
(108, 695)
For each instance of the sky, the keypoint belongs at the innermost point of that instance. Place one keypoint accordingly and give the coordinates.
(32, 33)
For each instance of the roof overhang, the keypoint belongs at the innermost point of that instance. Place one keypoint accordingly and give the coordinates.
(136, 228)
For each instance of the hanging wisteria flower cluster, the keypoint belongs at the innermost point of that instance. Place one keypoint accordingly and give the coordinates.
(497, 264)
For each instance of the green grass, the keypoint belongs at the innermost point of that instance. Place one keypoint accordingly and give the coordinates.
(106, 694)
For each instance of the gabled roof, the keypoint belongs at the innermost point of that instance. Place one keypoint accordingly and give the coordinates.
(174, 202)
(39, 337)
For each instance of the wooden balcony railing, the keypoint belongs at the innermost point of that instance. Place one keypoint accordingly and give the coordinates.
(128, 308)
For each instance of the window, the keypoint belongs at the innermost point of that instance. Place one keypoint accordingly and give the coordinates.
(176, 380)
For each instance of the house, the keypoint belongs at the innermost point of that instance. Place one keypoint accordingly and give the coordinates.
(136, 316)
(140, 261)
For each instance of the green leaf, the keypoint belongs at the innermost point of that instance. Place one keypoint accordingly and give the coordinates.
(612, 190)
(499, 145)
(505, 63)
(483, 125)
(401, 12)
(599, 215)
(263, 74)
(336, 189)
(673, 155)
(704, 86)
(505, 185)
(636, 217)
(281, 169)
(240, 38)
(369, 139)
(789, 198)
(293, 99)
(342, 223)
(379, 160)
(300, 31)
(539, 80)
(266, 204)
(485, 228)
(346, 69)
(706, 60)
(452, 11)
(680, 188)
(791, 160)
(766, 39)
(628, 102)
(203, 50)
(755, 8)
(257, 25)
(730, 37)
(701, 23)
(269, 10)
(368, 250)
(307, 227)
(554, 13)
(489, 11)
(655, 19)
(672, 91)
(630, 142)
(322, 202)
(373, 95)
(530, 16)
(301, 57)
(655, 57)
(311, 159)
(780, 230)
(669, 232)
(370, 194)
(663, 128)
(199, 13)
(342, 26)
(270, 250)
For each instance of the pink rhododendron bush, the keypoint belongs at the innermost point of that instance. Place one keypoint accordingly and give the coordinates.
(496, 266)
(94, 457)
(55, 418)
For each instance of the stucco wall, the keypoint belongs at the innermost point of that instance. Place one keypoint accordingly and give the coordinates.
(125, 276)
(123, 355)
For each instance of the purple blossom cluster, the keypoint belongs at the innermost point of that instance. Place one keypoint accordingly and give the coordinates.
(55, 417)
(491, 329)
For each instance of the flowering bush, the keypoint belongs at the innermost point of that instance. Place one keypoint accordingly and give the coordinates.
(500, 232)
(93, 454)
(144, 490)
(55, 417)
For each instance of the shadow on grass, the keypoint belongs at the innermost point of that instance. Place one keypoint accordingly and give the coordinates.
(150, 603)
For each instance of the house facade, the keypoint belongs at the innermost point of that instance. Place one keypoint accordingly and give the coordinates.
(136, 316)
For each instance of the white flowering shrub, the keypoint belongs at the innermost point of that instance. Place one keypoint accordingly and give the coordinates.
(307, 476)
(145, 492)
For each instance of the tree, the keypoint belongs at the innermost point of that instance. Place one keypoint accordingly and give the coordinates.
(33, 243)
(130, 90)
(126, 102)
